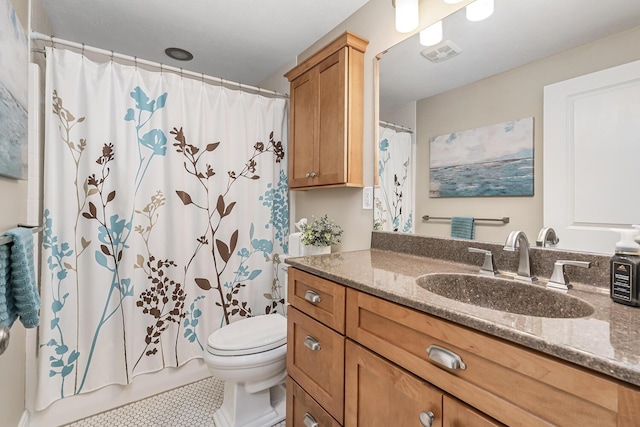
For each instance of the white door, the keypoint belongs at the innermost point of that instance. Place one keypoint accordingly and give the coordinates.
(592, 157)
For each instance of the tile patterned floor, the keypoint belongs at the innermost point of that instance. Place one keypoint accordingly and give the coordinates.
(192, 405)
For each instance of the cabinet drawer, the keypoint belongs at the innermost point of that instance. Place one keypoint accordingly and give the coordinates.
(319, 298)
(509, 383)
(315, 360)
(303, 411)
(379, 393)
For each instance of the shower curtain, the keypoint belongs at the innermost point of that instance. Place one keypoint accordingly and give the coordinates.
(165, 212)
(393, 201)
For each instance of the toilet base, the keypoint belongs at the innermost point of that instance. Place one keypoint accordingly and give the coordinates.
(243, 409)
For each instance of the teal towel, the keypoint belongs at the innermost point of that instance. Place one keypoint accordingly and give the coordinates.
(462, 227)
(18, 289)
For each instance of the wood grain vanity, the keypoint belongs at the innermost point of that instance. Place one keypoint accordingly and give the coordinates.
(357, 359)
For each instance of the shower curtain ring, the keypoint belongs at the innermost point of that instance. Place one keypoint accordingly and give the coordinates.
(135, 61)
(112, 56)
(51, 39)
(181, 72)
(82, 49)
(161, 68)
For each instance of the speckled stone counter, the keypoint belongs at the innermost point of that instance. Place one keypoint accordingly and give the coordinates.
(607, 341)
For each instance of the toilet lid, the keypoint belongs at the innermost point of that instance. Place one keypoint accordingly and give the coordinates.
(249, 336)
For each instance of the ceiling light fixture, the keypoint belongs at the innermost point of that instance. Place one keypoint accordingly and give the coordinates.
(479, 10)
(407, 15)
(432, 35)
(452, 1)
(178, 54)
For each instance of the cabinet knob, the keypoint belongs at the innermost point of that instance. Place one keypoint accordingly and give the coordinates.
(312, 297)
(313, 174)
(308, 174)
(426, 418)
(311, 343)
(446, 358)
(309, 421)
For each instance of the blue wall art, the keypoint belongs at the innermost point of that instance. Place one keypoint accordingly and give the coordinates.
(14, 59)
(490, 161)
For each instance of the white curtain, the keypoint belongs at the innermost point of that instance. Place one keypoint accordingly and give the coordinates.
(393, 201)
(165, 211)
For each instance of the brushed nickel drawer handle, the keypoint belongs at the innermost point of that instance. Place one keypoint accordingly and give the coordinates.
(311, 343)
(309, 421)
(312, 297)
(4, 338)
(426, 418)
(446, 358)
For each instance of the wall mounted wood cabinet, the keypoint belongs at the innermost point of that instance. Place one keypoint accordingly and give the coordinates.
(326, 116)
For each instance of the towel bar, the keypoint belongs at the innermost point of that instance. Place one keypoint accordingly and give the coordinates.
(8, 239)
(504, 220)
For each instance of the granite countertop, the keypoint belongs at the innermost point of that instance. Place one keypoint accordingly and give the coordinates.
(608, 341)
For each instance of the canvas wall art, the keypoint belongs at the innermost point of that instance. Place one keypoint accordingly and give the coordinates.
(14, 62)
(495, 160)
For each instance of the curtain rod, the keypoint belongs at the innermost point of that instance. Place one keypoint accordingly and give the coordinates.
(81, 46)
(395, 127)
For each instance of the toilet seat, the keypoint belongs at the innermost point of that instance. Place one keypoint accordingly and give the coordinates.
(249, 336)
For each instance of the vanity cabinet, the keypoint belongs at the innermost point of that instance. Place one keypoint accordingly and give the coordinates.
(507, 382)
(326, 116)
(379, 363)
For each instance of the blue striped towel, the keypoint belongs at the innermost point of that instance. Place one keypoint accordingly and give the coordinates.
(462, 227)
(18, 290)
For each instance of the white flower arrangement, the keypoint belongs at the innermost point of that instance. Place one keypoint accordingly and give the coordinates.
(321, 232)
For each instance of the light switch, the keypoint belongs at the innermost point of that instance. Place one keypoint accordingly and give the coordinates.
(367, 198)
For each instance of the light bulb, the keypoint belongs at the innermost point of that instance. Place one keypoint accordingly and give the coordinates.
(432, 35)
(479, 10)
(407, 15)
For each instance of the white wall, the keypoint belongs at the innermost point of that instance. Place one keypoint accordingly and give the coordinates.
(521, 95)
(14, 211)
(375, 21)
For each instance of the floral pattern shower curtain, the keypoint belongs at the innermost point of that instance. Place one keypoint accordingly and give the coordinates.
(393, 201)
(165, 211)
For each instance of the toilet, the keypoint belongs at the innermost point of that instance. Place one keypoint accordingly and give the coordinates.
(249, 355)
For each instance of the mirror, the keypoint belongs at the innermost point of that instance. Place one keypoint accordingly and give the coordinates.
(498, 77)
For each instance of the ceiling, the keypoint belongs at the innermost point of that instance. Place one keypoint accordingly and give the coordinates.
(519, 32)
(240, 40)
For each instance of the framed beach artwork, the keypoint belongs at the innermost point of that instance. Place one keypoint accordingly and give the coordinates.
(14, 62)
(490, 161)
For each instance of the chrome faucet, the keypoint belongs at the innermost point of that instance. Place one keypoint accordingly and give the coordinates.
(547, 236)
(518, 240)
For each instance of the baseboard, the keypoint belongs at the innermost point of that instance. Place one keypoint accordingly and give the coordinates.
(24, 419)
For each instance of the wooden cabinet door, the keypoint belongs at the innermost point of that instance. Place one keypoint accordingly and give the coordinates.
(457, 414)
(303, 129)
(315, 360)
(331, 151)
(378, 393)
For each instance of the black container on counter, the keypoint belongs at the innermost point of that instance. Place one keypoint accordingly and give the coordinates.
(624, 269)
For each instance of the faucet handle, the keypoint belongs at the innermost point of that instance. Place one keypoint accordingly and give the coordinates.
(489, 265)
(547, 235)
(559, 279)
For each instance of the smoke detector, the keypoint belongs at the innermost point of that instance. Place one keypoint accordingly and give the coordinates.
(442, 51)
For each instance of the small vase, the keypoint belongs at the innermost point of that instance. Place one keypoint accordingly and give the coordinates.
(315, 250)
